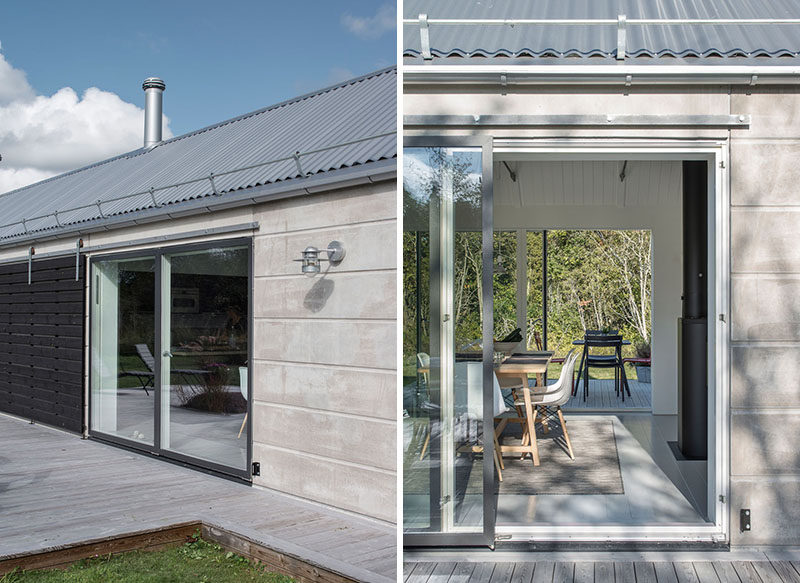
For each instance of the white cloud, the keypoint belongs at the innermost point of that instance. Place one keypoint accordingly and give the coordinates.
(41, 136)
(369, 27)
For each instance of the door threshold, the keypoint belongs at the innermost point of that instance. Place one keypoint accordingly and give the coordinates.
(616, 546)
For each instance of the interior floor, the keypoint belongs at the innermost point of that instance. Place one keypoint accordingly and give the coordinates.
(657, 488)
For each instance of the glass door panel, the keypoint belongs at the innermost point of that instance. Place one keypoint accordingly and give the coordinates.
(123, 393)
(444, 327)
(204, 315)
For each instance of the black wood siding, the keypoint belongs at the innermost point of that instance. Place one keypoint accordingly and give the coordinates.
(41, 342)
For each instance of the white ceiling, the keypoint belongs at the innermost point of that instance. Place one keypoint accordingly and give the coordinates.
(588, 183)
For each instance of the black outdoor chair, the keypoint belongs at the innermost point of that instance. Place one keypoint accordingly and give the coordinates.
(604, 340)
(147, 377)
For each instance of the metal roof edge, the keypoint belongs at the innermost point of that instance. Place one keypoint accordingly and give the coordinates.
(369, 173)
(601, 74)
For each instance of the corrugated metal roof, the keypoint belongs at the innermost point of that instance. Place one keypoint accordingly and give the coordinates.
(772, 44)
(343, 126)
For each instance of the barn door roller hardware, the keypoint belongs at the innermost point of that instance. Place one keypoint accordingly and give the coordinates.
(78, 245)
(31, 251)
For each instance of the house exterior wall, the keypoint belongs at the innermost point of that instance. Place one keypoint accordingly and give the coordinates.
(325, 405)
(324, 371)
(41, 340)
(765, 260)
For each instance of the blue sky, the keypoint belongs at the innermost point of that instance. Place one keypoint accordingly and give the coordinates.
(219, 59)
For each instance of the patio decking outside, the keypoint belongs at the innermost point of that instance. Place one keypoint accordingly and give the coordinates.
(603, 398)
(750, 567)
(57, 489)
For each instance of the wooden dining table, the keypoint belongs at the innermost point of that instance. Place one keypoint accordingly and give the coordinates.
(513, 373)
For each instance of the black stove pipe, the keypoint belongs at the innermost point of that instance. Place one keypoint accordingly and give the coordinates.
(693, 331)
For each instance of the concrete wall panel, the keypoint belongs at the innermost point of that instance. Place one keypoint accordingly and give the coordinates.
(775, 110)
(764, 173)
(347, 343)
(765, 442)
(351, 487)
(355, 439)
(765, 307)
(358, 392)
(765, 376)
(369, 246)
(766, 240)
(332, 209)
(333, 296)
(774, 511)
(324, 418)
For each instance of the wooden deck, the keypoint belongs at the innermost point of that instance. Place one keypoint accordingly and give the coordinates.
(706, 571)
(57, 489)
(603, 398)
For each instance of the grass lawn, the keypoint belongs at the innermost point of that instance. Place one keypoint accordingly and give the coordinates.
(196, 562)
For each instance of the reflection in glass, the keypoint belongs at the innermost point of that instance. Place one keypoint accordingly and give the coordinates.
(204, 318)
(442, 333)
(123, 334)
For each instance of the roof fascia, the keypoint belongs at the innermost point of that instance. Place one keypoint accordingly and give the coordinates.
(625, 75)
(369, 173)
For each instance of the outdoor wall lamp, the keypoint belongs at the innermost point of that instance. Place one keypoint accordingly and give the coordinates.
(311, 259)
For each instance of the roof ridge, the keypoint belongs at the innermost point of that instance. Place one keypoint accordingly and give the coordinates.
(140, 151)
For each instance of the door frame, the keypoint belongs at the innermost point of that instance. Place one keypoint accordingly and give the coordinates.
(487, 536)
(157, 253)
(716, 153)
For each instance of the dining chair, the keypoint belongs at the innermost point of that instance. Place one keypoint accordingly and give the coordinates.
(557, 394)
(536, 405)
(421, 425)
(243, 391)
(469, 400)
(599, 341)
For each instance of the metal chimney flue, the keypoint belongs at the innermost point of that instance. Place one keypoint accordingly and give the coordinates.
(153, 92)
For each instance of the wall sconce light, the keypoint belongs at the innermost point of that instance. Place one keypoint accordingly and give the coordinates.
(311, 259)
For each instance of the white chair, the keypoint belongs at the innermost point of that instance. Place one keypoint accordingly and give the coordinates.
(421, 427)
(553, 396)
(469, 399)
(557, 394)
(243, 389)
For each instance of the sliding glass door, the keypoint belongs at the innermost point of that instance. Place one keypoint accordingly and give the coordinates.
(170, 353)
(448, 490)
(123, 325)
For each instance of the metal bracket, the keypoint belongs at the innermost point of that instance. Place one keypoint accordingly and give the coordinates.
(503, 85)
(622, 174)
(153, 196)
(425, 37)
(31, 251)
(256, 468)
(78, 245)
(99, 208)
(621, 36)
(744, 520)
(296, 157)
(562, 120)
(213, 184)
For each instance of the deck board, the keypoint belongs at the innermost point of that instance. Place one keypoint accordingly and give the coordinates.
(605, 571)
(603, 398)
(58, 489)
